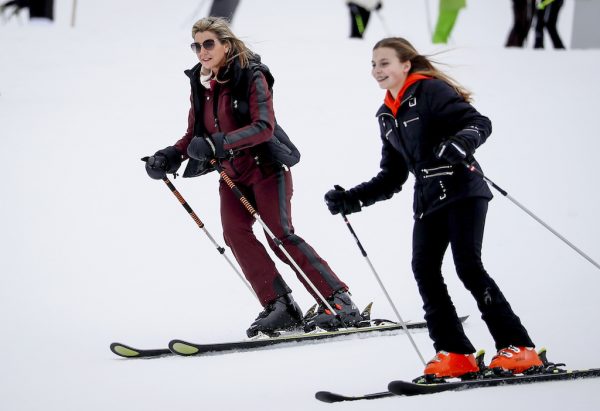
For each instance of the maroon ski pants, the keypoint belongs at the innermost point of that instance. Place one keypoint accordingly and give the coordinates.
(271, 196)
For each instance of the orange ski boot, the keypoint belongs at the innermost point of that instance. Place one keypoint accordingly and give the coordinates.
(515, 360)
(448, 365)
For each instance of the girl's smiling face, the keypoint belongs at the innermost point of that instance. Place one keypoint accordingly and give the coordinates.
(389, 72)
(214, 58)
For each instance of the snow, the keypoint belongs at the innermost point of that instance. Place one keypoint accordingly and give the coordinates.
(93, 251)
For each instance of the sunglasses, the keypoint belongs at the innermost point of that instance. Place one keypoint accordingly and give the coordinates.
(207, 44)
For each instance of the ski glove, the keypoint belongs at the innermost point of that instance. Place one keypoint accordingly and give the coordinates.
(454, 150)
(206, 148)
(342, 201)
(162, 162)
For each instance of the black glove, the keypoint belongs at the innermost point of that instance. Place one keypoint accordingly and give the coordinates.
(454, 150)
(162, 162)
(342, 201)
(206, 148)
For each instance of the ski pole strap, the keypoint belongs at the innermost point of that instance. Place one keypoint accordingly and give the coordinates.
(233, 187)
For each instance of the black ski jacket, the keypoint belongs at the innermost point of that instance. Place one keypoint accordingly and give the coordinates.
(431, 112)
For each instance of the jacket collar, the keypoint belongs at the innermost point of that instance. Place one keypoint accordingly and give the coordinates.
(408, 94)
(233, 71)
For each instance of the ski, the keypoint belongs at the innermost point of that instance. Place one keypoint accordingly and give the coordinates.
(331, 397)
(485, 378)
(186, 348)
(126, 351)
(408, 388)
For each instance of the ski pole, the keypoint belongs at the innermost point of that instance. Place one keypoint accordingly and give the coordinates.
(278, 242)
(73, 13)
(364, 253)
(200, 224)
(474, 169)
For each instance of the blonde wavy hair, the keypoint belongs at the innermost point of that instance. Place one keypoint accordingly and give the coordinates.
(220, 27)
(421, 64)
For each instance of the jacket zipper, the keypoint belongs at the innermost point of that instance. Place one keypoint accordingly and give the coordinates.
(410, 121)
(437, 171)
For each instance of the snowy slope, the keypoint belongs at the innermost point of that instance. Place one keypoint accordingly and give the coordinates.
(92, 251)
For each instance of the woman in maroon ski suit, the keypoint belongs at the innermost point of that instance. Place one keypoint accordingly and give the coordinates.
(232, 120)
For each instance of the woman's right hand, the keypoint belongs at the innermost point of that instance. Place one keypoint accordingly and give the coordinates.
(162, 162)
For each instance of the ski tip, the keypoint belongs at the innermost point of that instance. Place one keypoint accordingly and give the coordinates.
(184, 348)
(329, 397)
(123, 350)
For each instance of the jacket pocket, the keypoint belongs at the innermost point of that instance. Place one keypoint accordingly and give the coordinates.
(438, 187)
(411, 127)
(281, 149)
(445, 170)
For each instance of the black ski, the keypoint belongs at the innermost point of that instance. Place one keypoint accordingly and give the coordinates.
(186, 348)
(126, 351)
(330, 397)
(409, 388)
(405, 388)
(486, 378)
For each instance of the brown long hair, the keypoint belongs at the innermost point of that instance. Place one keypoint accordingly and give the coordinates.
(220, 27)
(421, 64)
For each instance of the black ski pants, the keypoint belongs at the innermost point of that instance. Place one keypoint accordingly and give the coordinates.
(523, 11)
(359, 18)
(460, 224)
(547, 18)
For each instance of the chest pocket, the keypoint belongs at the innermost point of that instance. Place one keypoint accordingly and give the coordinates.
(410, 121)
(410, 128)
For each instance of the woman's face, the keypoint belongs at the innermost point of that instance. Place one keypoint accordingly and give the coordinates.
(389, 72)
(213, 53)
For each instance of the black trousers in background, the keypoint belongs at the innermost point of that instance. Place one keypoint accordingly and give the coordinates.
(223, 8)
(523, 11)
(37, 8)
(547, 18)
(359, 18)
(460, 224)
(41, 9)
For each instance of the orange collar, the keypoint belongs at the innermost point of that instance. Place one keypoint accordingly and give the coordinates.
(394, 103)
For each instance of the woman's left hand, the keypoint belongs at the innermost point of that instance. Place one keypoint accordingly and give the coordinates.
(206, 148)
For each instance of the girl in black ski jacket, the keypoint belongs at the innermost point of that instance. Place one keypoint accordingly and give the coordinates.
(429, 128)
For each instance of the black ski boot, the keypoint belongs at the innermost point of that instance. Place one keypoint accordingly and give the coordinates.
(283, 313)
(341, 302)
